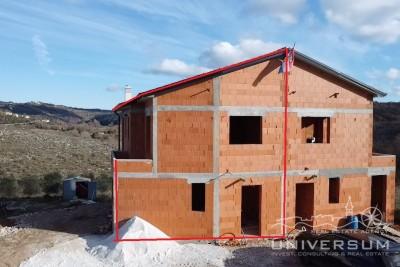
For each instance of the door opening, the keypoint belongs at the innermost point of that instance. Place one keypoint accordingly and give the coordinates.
(82, 190)
(251, 209)
(378, 193)
(304, 205)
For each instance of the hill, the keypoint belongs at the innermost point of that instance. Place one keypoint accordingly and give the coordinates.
(39, 139)
(45, 111)
(387, 129)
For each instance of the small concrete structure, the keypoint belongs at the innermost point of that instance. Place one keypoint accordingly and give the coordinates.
(79, 188)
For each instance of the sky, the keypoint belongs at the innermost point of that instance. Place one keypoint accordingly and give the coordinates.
(82, 53)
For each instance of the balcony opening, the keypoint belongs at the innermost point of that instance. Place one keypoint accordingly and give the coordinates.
(198, 197)
(245, 130)
(316, 129)
(334, 190)
(148, 137)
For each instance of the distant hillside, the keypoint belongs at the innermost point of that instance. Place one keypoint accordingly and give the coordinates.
(45, 111)
(387, 128)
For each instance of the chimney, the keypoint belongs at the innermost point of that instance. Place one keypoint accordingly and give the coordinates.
(128, 92)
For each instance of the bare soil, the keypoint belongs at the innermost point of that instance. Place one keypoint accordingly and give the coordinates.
(49, 225)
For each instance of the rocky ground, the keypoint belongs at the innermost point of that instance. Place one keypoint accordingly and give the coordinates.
(28, 151)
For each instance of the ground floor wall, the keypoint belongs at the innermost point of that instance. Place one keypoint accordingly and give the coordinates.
(354, 198)
(165, 203)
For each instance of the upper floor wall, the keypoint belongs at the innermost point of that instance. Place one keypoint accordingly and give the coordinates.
(185, 121)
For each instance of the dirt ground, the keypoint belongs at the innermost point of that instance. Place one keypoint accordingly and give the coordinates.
(39, 226)
(25, 234)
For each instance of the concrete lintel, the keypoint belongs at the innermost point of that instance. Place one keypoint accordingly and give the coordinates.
(342, 172)
(380, 170)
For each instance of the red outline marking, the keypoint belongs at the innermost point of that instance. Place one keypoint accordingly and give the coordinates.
(118, 239)
(115, 165)
(285, 141)
(116, 223)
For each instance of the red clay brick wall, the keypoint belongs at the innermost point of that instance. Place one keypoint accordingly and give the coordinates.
(258, 85)
(200, 93)
(350, 135)
(185, 141)
(249, 157)
(230, 204)
(166, 203)
(383, 161)
(390, 197)
(313, 88)
(134, 166)
(350, 144)
(357, 187)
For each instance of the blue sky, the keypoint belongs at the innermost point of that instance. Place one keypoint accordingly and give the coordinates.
(81, 52)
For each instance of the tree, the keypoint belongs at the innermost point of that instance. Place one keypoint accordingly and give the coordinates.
(8, 187)
(52, 183)
(30, 186)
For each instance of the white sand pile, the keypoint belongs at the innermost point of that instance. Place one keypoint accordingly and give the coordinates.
(134, 253)
(68, 254)
(104, 252)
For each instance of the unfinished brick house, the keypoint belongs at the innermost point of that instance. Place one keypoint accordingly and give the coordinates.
(237, 149)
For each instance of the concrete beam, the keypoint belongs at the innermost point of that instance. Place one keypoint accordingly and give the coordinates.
(206, 177)
(261, 110)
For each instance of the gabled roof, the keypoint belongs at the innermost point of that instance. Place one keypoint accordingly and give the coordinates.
(249, 62)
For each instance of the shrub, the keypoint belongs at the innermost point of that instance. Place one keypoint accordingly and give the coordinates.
(52, 183)
(30, 186)
(8, 187)
(104, 183)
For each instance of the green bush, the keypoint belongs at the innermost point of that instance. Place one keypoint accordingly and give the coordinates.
(30, 186)
(8, 187)
(104, 183)
(52, 183)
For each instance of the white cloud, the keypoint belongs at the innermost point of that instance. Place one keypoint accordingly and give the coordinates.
(41, 53)
(286, 11)
(375, 20)
(220, 54)
(224, 53)
(393, 74)
(177, 67)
